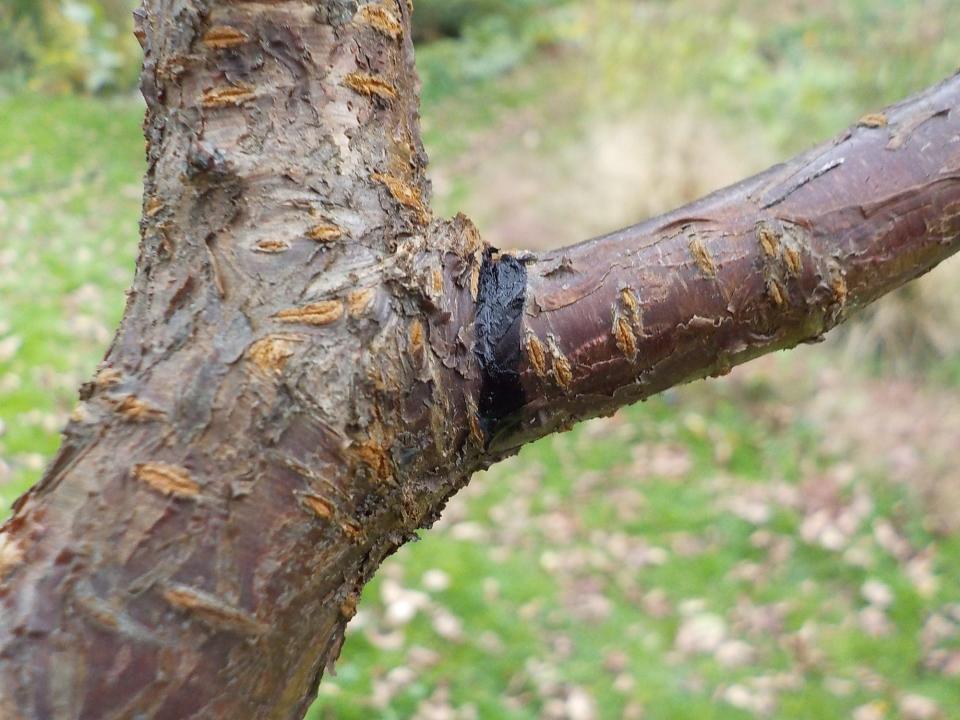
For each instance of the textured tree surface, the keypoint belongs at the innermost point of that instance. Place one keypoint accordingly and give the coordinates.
(310, 364)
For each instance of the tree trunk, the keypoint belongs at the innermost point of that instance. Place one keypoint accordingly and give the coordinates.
(309, 365)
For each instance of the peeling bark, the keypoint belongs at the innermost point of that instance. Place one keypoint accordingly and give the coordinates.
(309, 364)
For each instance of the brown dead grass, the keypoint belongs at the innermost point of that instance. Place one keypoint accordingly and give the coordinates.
(617, 172)
(895, 428)
(908, 433)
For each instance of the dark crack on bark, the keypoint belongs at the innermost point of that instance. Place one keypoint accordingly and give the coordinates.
(500, 299)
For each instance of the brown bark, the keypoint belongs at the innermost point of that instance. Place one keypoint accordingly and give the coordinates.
(774, 261)
(271, 420)
(309, 365)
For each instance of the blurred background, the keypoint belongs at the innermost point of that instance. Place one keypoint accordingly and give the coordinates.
(782, 543)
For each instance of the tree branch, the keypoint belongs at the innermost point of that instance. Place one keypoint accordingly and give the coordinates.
(771, 262)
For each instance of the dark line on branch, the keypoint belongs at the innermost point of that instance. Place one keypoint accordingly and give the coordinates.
(804, 181)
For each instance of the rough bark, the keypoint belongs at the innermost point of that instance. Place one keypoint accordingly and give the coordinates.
(310, 365)
(273, 417)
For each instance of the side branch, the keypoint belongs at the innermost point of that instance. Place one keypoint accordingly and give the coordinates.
(766, 264)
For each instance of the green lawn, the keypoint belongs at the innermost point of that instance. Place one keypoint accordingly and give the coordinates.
(70, 173)
(669, 559)
(734, 549)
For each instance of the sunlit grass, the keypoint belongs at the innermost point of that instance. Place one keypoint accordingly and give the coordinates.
(70, 173)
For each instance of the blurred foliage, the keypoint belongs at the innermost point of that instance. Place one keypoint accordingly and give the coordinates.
(471, 40)
(435, 19)
(769, 61)
(87, 45)
(800, 69)
(17, 36)
(68, 45)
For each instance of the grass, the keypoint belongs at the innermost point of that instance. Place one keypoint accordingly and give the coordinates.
(69, 205)
(583, 533)
(715, 552)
